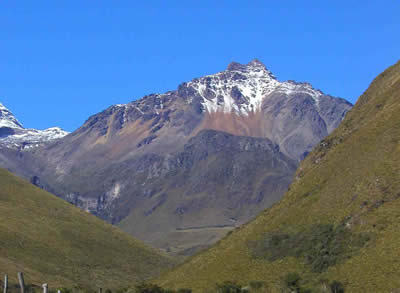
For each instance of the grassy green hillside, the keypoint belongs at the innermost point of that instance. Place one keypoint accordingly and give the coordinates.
(53, 242)
(340, 220)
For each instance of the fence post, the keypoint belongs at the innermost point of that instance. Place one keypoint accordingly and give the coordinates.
(45, 288)
(100, 290)
(5, 284)
(21, 281)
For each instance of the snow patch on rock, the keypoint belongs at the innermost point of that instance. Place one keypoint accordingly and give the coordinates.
(114, 193)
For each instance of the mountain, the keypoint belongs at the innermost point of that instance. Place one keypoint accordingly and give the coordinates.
(174, 169)
(14, 135)
(53, 242)
(338, 221)
(189, 200)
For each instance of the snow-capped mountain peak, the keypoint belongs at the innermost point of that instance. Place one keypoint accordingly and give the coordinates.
(242, 88)
(7, 119)
(14, 135)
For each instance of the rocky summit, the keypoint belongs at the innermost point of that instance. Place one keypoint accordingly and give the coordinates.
(181, 169)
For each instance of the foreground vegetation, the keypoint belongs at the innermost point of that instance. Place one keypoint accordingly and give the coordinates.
(54, 242)
(321, 246)
(291, 283)
(338, 221)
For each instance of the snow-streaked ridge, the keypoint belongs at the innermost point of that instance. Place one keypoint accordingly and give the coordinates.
(241, 89)
(14, 135)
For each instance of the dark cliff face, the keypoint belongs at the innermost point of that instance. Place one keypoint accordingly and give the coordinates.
(151, 167)
(185, 200)
(216, 182)
(297, 122)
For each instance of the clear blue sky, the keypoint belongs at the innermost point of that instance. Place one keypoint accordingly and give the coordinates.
(61, 61)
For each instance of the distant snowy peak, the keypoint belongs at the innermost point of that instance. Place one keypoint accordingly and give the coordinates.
(14, 135)
(242, 88)
(7, 119)
(31, 138)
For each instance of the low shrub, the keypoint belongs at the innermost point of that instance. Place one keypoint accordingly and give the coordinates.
(321, 245)
(229, 287)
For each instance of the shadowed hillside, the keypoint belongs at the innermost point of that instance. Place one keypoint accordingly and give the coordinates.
(339, 220)
(53, 242)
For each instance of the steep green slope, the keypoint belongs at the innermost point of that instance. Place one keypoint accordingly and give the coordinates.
(54, 242)
(339, 220)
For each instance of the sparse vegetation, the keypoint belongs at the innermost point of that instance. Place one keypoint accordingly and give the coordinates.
(336, 287)
(256, 286)
(292, 281)
(292, 284)
(228, 287)
(148, 288)
(321, 246)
